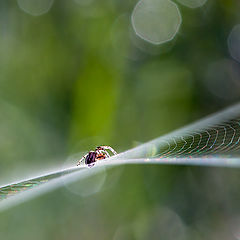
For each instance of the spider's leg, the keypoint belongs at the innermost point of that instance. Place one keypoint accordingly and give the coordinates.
(101, 151)
(105, 152)
(82, 159)
(98, 152)
(109, 148)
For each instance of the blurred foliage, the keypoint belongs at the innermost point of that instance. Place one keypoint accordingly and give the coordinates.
(78, 76)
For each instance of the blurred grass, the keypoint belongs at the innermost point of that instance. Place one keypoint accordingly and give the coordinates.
(77, 77)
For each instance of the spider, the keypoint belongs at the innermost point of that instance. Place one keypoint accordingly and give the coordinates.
(99, 154)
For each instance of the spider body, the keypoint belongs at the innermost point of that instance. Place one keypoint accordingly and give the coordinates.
(100, 153)
(90, 158)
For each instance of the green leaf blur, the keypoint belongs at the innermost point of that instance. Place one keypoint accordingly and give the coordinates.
(73, 75)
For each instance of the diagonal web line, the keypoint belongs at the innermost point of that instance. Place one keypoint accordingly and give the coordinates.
(217, 134)
(212, 141)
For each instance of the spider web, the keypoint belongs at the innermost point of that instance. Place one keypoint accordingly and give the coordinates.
(14, 188)
(212, 141)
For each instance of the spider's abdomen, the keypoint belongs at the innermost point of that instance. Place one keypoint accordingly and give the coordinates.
(91, 158)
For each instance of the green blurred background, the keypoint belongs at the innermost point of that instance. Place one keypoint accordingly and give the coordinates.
(77, 76)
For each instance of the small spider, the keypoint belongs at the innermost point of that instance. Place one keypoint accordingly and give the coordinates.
(99, 154)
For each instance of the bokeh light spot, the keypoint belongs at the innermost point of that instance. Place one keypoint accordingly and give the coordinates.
(154, 225)
(156, 21)
(192, 3)
(88, 186)
(234, 43)
(223, 79)
(35, 7)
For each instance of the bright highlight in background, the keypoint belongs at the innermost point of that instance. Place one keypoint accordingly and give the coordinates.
(234, 43)
(35, 7)
(192, 3)
(223, 79)
(156, 21)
